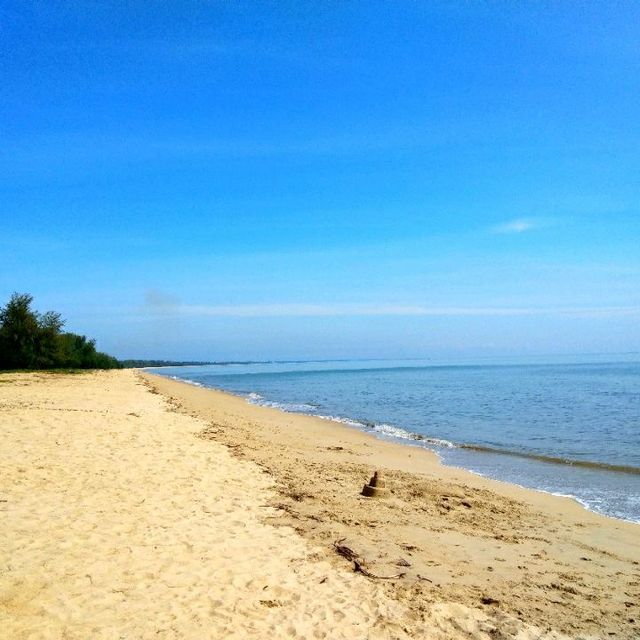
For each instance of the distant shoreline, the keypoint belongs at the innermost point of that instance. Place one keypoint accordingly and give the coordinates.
(159, 364)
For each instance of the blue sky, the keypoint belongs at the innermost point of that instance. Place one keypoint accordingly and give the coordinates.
(337, 179)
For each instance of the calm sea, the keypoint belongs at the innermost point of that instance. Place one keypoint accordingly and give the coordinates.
(570, 428)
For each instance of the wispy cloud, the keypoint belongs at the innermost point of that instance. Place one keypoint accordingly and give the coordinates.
(160, 302)
(334, 310)
(519, 225)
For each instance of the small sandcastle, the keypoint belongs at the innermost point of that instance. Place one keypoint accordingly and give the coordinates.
(375, 487)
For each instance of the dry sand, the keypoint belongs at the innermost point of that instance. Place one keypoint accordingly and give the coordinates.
(128, 513)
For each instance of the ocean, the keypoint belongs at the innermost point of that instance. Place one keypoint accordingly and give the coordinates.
(567, 427)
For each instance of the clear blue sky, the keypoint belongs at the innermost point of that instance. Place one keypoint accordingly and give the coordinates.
(277, 180)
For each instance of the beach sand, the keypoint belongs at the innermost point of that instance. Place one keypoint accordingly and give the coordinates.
(134, 506)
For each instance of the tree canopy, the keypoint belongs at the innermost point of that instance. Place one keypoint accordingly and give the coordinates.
(31, 340)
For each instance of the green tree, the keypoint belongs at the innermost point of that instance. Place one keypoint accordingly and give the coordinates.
(29, 340)
(18, 333)
(48, 345)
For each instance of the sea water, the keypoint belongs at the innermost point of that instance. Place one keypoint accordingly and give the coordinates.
(569, 428)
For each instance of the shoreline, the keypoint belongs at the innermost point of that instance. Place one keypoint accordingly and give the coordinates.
(363, 428)
(544, 558)
(414, 440)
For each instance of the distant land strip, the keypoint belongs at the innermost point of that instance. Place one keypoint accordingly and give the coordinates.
(137, 364)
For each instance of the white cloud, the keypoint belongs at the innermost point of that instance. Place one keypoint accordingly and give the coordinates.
(520, 225)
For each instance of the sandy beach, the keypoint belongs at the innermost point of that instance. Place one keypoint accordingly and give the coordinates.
(134, 506)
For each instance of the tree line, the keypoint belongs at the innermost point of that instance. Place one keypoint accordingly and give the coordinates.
(32, 340)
